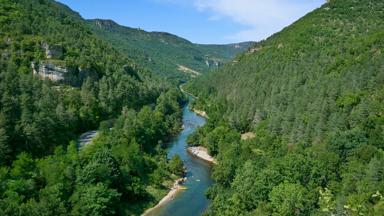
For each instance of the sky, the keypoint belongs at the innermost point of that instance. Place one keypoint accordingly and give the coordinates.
(200, 21)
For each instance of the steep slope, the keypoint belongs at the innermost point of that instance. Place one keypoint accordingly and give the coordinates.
(57, 80)
(326, 56)
(51, 33)
(164, 53)
(313, 95)
(50, 41)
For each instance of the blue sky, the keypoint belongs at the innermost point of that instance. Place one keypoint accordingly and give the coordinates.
(200, 21)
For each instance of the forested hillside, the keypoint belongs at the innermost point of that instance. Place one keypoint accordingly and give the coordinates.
(313, 94)
(57, 80)
(164, 53)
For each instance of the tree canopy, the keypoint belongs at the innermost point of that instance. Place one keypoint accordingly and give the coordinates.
(313, 96)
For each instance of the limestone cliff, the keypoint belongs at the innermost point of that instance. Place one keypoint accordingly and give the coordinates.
(49, 70)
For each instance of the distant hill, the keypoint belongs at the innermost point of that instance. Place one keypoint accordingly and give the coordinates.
(164, 53)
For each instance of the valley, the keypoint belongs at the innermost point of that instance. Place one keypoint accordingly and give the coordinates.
(97, 118)
(166, 54)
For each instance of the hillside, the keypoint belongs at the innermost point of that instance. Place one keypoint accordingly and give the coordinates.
(165, 53)
(313, 95)
(57, 80)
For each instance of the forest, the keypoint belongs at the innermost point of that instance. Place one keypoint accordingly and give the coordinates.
(42, 170)
(313, 96)
(163, 52)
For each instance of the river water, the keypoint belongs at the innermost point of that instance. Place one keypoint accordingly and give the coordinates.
(190, 202)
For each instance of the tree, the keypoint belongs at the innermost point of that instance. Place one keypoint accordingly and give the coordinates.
(95, 200)
(3, 179)
(289, 199)
(4, 147)
(176, 165)
(326, 202)
(103, 168)
(251, 185)
(23, 167)
(89, 111)
(149, 128)
(37, 116)
(52, 201)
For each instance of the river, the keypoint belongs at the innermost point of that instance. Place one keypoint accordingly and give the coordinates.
(190, 202)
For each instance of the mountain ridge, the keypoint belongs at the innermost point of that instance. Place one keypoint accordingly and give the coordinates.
(162, 52)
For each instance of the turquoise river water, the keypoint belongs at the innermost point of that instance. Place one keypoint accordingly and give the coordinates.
(190, 202)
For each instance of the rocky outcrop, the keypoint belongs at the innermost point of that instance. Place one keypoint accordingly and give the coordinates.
(105, 24)
(202, 153)
(213, 63)
(248, 135)
(53, 51)
(49, 70)
(255, 49)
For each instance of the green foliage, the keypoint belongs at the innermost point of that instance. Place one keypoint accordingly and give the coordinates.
(102, 168)
(349, 100)
(94, 200)
(326, 202)
(289, 199)
(40, 174)
(23, 166)
(176, 166)
(163, 52)
(38, 115)
(102, 178)
(4, 148)
(52, 201)
(313, 96)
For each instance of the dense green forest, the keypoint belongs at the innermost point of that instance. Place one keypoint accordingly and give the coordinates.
(164, 53)
(313, 94)
(42, 172)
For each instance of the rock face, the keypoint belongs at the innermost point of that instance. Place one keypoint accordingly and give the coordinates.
(248, 135)
(213, 63)
(53, 51)
(48, 70)
(201, 153)
(105, 24)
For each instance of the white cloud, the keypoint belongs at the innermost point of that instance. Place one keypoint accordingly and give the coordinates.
(261, 18)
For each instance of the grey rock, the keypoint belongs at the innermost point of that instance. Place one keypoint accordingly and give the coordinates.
(53, 51)
(48, 70)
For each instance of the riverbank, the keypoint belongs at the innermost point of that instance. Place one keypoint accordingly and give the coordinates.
(176, 188)
(201, 113)
(198, 112)
(188, 198)
(182, 90)
(201, 153)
